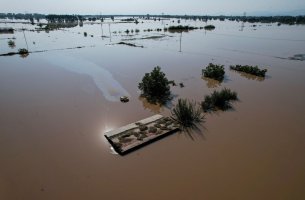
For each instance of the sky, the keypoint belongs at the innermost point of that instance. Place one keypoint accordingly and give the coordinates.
(181, 7)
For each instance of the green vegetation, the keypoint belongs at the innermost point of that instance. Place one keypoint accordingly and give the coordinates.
(249, 70)
(209, 27)
(187, 113)
(213, 71)
(219, 100)
(11, 43)
(56, 22)
(7, 30)
(155, 87)
(56, 26)
(23, 51)
(62, 18)
(180, 28)
(128, 20)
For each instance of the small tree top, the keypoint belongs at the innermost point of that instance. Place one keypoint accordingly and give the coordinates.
(155, 86)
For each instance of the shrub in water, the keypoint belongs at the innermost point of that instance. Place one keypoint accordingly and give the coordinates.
(187, 113)
(209, 27)
(213, 71)
(155, 87)
(11, 43)
(249, 70)
(23, 51)
(219, 100)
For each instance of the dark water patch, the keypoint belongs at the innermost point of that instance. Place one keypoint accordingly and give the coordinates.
(130, 44)
(41, 51)
(300, 57)
(9, 54)
(13, 38)
(155, 37)
(296, 57)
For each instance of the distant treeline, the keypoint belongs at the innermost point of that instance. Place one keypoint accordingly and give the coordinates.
(272, 19)
(72, 18)
(21, 16)
(63, 18)
(27, 16)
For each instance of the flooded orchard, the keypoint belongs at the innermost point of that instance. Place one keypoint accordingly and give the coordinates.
(57, 102)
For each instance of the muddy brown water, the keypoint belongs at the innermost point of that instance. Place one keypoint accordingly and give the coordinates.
(55, 107)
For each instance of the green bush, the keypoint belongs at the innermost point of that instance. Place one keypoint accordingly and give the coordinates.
(209, 27)
(219, 100)
(249, 70)
(180, 28)
(213, 71)
(155, 87)
(187, 113)
(11, 43)
(23, 51)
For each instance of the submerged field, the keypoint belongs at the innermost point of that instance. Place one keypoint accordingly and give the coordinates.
(56, 104)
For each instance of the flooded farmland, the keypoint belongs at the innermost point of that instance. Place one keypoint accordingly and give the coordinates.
(57, 102)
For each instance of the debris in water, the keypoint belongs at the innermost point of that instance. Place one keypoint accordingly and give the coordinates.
(124, 99)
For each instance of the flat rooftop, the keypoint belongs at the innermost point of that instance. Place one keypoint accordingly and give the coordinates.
(138, 134)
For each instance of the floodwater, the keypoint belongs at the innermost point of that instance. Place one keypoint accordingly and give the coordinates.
(56, 105)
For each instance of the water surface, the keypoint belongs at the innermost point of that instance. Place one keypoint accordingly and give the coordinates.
(55, 107)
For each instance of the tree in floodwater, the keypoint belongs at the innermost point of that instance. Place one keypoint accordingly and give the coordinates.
(155, 87)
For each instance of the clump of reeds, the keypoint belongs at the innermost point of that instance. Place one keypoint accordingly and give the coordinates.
(187, 113)
(219, 100)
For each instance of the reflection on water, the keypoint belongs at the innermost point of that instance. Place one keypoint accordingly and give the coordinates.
(211, 83)
(194, 132)
(24, 55)
(300, 57)
(110, 88)
(155, 108)
(250, 76)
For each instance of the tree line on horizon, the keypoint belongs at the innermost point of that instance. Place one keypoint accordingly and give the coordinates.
(291, 20)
